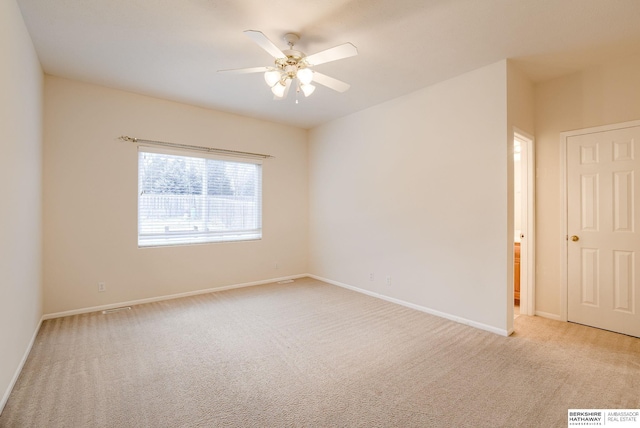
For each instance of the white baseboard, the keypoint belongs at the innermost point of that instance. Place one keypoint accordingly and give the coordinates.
(481, 326)
(165, 297)
(548, 315)
(7, 393)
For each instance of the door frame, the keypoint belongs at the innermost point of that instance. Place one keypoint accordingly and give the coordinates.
(528, 253)
(564, 136)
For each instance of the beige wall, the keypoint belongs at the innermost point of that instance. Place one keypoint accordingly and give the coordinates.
(416, 188)
(520, 99)
(597, 96)
(20, 190)
(90, 188)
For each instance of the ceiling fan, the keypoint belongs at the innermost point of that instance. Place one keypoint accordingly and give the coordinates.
(291, 64)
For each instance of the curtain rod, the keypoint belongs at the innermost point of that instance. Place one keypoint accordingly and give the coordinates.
(196, 148)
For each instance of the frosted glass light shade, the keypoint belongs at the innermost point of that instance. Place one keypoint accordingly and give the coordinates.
(278, 90)
(305, 76)
(272, 77)
(307, 89)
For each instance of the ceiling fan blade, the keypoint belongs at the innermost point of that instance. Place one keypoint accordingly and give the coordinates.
(330, 82)
(261, 40)
(333, 54)
(246, 70)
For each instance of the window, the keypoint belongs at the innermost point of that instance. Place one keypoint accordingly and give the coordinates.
(192, 199)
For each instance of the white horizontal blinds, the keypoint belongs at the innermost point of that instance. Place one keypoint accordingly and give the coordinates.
(185, 199)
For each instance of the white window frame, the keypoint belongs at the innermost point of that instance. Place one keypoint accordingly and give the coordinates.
(171, 238)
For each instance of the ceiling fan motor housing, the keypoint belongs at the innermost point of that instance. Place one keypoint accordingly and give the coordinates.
(291, 38)
(292, 63)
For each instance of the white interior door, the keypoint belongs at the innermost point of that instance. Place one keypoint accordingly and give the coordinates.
(524, 233)
(524, 210)
(524, 221)
(603, 249)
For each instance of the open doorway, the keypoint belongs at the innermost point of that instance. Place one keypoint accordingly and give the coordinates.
(523, 187)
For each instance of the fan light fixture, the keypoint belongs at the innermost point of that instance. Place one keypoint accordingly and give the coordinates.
(278, 89)
(291, 65)
(307, 89)
(272, 77)
(305, 76)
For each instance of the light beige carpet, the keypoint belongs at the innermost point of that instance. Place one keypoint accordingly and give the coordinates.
(309, 354)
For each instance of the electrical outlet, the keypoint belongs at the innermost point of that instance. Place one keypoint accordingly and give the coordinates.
(371, 277)
(102, 287)
(388, 279)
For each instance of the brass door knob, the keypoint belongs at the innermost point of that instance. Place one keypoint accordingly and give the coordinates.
(575, 238)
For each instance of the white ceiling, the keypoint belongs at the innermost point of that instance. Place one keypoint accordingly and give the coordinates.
(172, 49)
